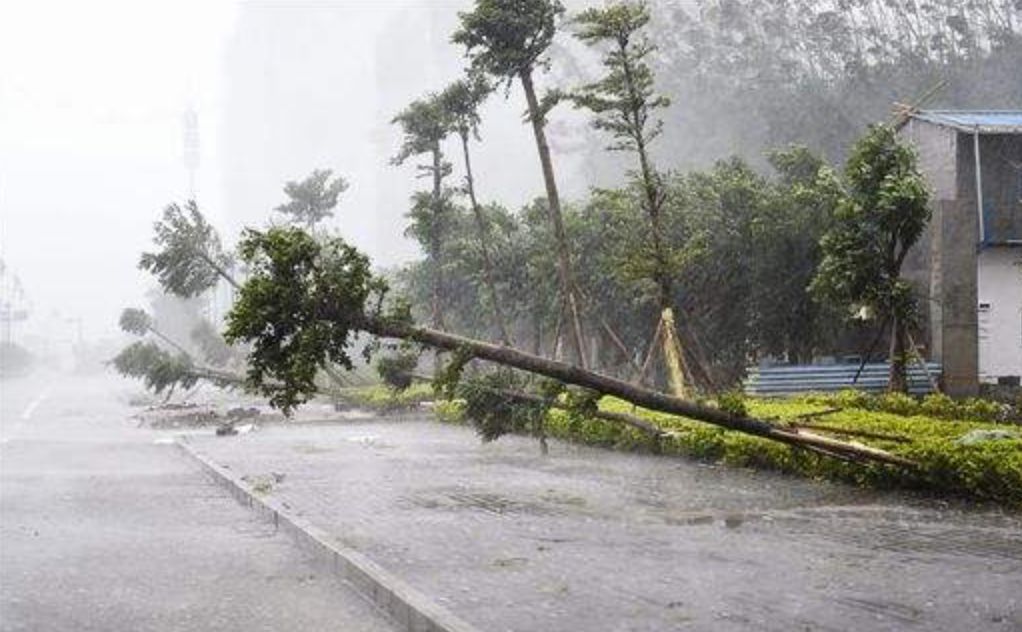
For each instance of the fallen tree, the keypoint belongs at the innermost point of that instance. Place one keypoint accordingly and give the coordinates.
(306, 300)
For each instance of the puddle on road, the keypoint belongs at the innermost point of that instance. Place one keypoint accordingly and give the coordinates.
(460, 500)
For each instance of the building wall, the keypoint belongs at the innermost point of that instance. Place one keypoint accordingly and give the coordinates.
(1000, 313)
(942, 265)
(953, 271)
(936, 148)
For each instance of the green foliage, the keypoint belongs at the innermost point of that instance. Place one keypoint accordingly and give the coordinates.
(312, 199)
(385, 399)
(211, 344)
(460, 103)
(742, 249)
(506, 38)
(159, 369)
(397, 369)
(877, 223)
(986, 470)
(424, 124)
(300, 308)
(448, 380)
(733, 403)
(492, 407)
(190, 257)
(989, 470)
(934, 405)
(431, 218)
(135, 321)
(623, 101)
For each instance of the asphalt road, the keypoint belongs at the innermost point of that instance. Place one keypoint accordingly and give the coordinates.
(104, 526)
(586, 539)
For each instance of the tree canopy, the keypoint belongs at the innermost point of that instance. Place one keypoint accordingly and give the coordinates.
(313, 199)
(506, 38)
(191, 258)
(877, 223)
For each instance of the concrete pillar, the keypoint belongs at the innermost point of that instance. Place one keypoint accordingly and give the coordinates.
(956, 277)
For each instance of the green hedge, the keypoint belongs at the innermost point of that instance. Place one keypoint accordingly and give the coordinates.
(384, 399)
(936, 405)
(989, 471)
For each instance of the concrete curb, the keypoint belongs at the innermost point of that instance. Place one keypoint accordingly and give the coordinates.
(409, 608)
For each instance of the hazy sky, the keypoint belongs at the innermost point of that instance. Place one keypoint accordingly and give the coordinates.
(92, 95)
(91, 100)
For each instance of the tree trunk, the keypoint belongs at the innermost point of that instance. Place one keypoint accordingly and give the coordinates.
(636, 395)
(437, 316)
(488, 275)
(567, 277)
(169, 341)
(436, 305)
(898, 381)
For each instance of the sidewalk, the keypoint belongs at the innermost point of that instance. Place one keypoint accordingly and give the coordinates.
(594, 540)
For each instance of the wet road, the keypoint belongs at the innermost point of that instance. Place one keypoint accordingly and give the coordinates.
(103, 528)
(593, 540)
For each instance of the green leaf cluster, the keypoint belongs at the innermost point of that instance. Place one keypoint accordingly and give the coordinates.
(190, 252)
(159, 369)
(135, 321)
(624, 101)
(300, 308)
(506, 38)
(878, 221)
(313, 199)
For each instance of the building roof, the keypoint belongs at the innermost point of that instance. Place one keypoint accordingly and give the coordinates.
(981, 121)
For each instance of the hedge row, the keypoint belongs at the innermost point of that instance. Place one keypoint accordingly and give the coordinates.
(987, 470)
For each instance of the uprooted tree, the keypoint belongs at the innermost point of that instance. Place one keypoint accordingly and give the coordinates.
(306, 300)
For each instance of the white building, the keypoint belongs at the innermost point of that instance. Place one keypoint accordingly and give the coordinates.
(969, 262)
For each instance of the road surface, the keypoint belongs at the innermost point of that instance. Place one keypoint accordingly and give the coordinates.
(104, 526)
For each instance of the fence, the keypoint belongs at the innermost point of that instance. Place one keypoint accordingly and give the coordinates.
(794, 379)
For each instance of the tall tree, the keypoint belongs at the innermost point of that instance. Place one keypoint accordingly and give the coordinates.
(625, 104)
(312, 199)
(460, 103)
(880, 219)
(425, 126)
(508, 39)
(787, 322)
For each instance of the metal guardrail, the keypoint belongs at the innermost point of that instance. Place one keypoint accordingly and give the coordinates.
(795, 379)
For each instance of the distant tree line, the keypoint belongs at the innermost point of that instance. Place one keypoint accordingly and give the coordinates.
(688, 276)
(674, 279)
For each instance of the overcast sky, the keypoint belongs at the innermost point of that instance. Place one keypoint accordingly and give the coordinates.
(91, 100)
(92, 96)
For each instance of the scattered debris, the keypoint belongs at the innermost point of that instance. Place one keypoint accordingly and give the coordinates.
(975, 437)
(242, 412)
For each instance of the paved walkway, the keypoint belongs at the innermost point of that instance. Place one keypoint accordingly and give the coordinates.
(593, 540)
(103, 529)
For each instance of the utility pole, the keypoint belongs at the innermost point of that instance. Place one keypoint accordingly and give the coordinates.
(190, 153)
